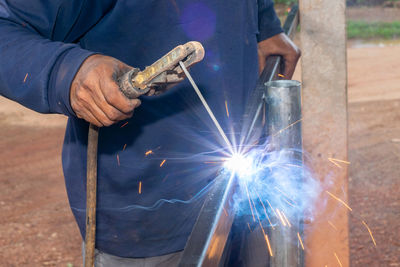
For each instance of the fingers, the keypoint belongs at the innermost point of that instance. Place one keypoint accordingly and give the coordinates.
(95, 95)
(111, 95)
(106, 112)
(291, 60)
(280, 44)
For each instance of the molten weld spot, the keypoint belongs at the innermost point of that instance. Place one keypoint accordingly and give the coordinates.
(239, 164)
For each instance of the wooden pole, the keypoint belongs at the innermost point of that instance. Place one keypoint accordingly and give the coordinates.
(324, 77)
(91, 195)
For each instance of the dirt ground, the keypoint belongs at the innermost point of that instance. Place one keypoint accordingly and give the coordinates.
(374, 153)
(370, 14)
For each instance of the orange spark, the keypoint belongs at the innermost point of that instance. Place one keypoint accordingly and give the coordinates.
(118, 159)
(285, 195)
(301, 242)
(123, 149)
(249, 226)
(271, 208)
(266, 238)
(26, 76)
(281, 217)
(211, 162)
(333, 226)
(338, 259)
(226, 107)
(291, 204)
(265, 211)
(338, 199)
(148, 152)
(162, 162)
(287, 127)
(370, 233)
(335, 162)
(268, 244)
(281, 75)
(340, 160)
(226, 213)
(123, 125)
(140, 187)
(264, 112)
(286, 219)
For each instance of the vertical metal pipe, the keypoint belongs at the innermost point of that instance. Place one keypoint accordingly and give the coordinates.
(283, 102)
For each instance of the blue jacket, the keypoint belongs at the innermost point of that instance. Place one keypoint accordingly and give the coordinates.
(42, 45)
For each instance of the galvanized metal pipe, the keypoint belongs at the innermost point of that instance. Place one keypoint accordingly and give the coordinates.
(207, 241)
(283, 102)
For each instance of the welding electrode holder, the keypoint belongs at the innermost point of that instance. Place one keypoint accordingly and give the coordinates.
(164, 71)
(126, 86)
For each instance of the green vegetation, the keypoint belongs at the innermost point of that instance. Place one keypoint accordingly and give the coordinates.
(286, 2)
(369, 30)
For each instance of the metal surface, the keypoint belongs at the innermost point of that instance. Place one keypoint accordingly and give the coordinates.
(91, 196)
(206, 106)
(207, 241)
(283, 98)
(324, 77)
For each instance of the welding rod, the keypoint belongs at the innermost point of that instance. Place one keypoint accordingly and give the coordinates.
(207, 107)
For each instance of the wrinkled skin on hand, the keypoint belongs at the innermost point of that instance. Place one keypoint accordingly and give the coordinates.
(95, 95)
(281, 45)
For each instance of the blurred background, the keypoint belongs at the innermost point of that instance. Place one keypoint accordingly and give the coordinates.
(37, 227)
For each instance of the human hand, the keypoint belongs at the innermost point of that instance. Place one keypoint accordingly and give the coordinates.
(95, 95)
(279, 44)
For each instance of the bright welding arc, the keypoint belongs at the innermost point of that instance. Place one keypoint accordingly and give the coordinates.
(196, 89)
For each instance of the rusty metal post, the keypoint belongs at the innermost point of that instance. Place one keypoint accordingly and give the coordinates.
(324, 78)
(283, 103)
(91, 195)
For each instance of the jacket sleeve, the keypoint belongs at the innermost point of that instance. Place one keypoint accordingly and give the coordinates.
(268, 22)
(39, 56)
